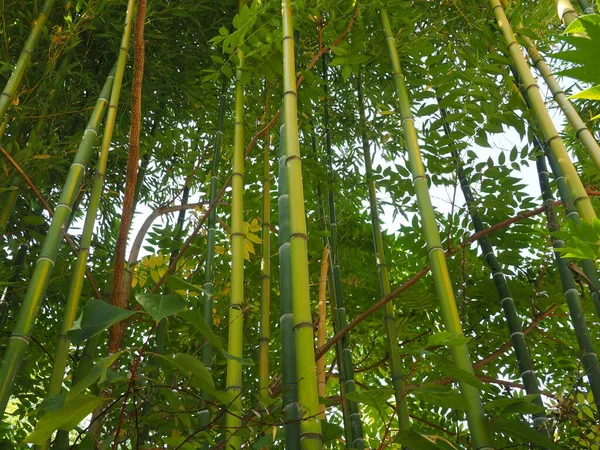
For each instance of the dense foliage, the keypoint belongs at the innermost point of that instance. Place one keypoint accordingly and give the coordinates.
(469, 114)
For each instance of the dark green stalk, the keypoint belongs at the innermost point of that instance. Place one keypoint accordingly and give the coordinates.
(207, 305)
(345, 357)
(584, 340)
(585, 6)
(13, 83)
(286, 320)
(382, 272)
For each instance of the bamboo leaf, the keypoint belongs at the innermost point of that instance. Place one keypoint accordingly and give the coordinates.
(460, 375)
(161, 306)
(592, 93)
(412, 439)
(522, 430)
(96, 316)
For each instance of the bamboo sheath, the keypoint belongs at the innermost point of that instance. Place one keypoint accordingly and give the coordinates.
(236, 317)
(589, 357)
(345, 360)
(310, 425)
(513, 321)
(291, 410)
(207, 301)
(581, 199)
(12, 85)
(382, 272)
(476, 419)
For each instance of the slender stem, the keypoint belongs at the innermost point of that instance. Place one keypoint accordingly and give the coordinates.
(322, 326)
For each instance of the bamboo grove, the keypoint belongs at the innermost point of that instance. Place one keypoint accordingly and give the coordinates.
(299, 224)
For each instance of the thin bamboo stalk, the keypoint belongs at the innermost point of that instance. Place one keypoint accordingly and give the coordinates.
(589, 357)
(236, 316)
(265, 303)
(551, 137)
(12, 85)
(207, 302)
(513, 321)
(382, 272)
(476, 419)
(579, 127)
(322, 327)
(310, 426)
(354, 424)
(291, 410)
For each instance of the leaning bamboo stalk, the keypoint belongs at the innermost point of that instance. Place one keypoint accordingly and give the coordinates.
(382, 272)
(589, 357)
(507, 304)
(207, 301)
(476, 419)
(354, 424)
(19, 339)
(579, 127)
(310, 426)
(582, 201)
(322, 326)
(12, 85)
(291, 411)
(236, 317)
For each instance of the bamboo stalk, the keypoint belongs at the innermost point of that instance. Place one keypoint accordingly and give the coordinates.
(207, 301)
(354, 424)
(551, 137)
(585, 6)
(579, 127)
(382, 272)
(236, 316)
(291, 411)
(322, 327)
(515, 326)
(265, 303)
(310, 426)
(12, 85)
(588, 354)
(476, 419)
(566, 12)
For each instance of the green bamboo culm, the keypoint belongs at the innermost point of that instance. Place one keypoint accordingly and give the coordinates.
(585, 6)
(291, 411)
(588, 354)
(74, 295)
(13, 83)
(551, 137)
(236, 316)
(310, 425)
(265, 288)
(581, 130)
(478, 426)
(507, 304)
(19, 339)
(382, 270)
(207, 301)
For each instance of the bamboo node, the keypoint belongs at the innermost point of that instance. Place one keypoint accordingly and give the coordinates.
(552, 138)
(41, 258)
(293, 92)
(432, 249)
(7, 95)
(303, 325)
(237, 234)
(531, 86)
(580, 130)
(299, 235)
(21, 337)
(239, 174)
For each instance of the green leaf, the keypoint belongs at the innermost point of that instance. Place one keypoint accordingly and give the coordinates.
(520, 429)
(161, 306)
(198, 321)
(460, 375)
(98, 371)
(372, 397)
(441, 396)
(66, 418)
(592, 93)
(96, 316)
(177, 284)
(446, 338)
(331, 431)
(412, 439)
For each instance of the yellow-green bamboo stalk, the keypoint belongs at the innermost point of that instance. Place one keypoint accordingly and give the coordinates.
(19, 339)
(582, 201)
(236, 317)
(322, 327)
(566, 12)
(12, 85)
(579, 127)
(310, 426)
(265, 303)
(476, 419)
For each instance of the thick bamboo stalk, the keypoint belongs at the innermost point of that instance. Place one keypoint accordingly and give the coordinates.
(588, 354)
(513, 321)
(579, 127)
(566, 12)
(310, 426)
(265, 303)
(382, 272)
(291, 411)
(207, 302)
(582, 201)
(236, 317)
(354, 424)
(322, 327)
(476, 419)
(585, 6)
(12, 85)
